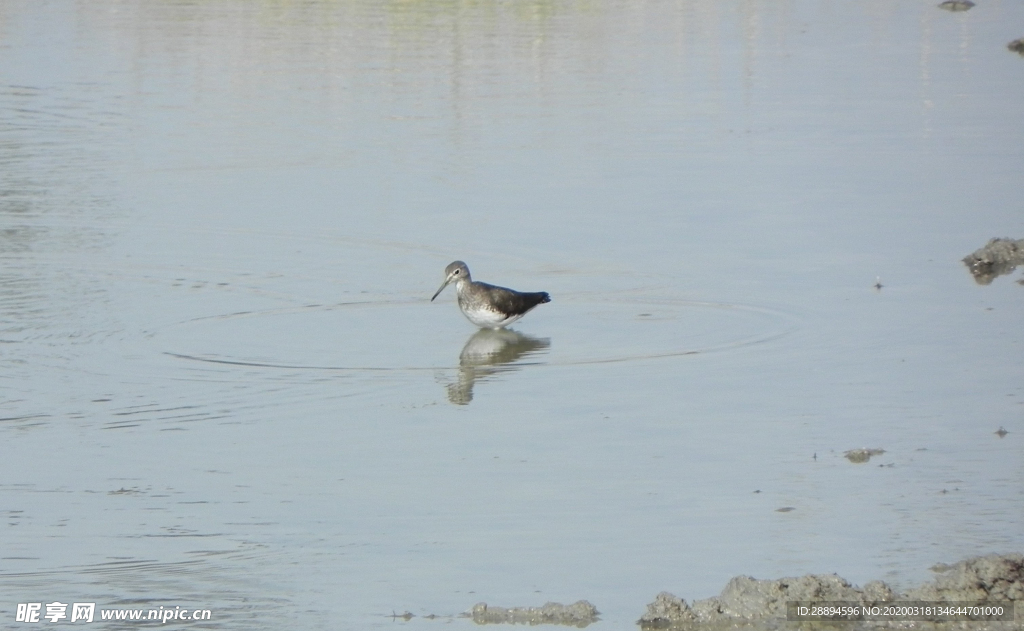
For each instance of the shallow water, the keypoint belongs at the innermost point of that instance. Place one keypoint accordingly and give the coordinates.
(224, 386)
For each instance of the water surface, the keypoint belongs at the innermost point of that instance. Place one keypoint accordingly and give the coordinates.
(224, 386)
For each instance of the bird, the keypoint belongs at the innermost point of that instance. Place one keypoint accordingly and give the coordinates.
(488, 306)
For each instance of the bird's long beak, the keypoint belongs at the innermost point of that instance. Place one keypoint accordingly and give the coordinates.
(443, 285)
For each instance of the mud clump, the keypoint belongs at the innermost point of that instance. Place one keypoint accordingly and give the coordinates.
(998, 257)
(747, 599)
(579, 614)
(862, 455)
(993, 577)
(748, 603)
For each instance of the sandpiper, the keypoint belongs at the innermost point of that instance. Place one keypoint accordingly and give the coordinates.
(488, 306)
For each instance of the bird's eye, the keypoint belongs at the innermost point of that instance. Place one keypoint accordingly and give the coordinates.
(455, 273)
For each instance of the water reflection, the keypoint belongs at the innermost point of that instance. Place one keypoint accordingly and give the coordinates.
(487, 353)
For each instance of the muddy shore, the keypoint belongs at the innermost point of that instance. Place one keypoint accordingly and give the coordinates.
(748, 603)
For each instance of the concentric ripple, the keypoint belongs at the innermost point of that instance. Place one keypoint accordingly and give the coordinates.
(414, 334)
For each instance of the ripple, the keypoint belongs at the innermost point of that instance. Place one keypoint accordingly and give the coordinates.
(413, 334)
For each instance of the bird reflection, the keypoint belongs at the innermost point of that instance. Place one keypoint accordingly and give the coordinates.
(487, 353)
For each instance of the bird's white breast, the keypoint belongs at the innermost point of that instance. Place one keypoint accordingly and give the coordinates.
(487, 318)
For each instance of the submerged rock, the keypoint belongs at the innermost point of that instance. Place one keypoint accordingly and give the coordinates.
(956, 5)
(998, 257)
(579, 614)
(762, 604)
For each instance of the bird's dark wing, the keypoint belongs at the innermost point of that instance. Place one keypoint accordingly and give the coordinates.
(512, 302)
